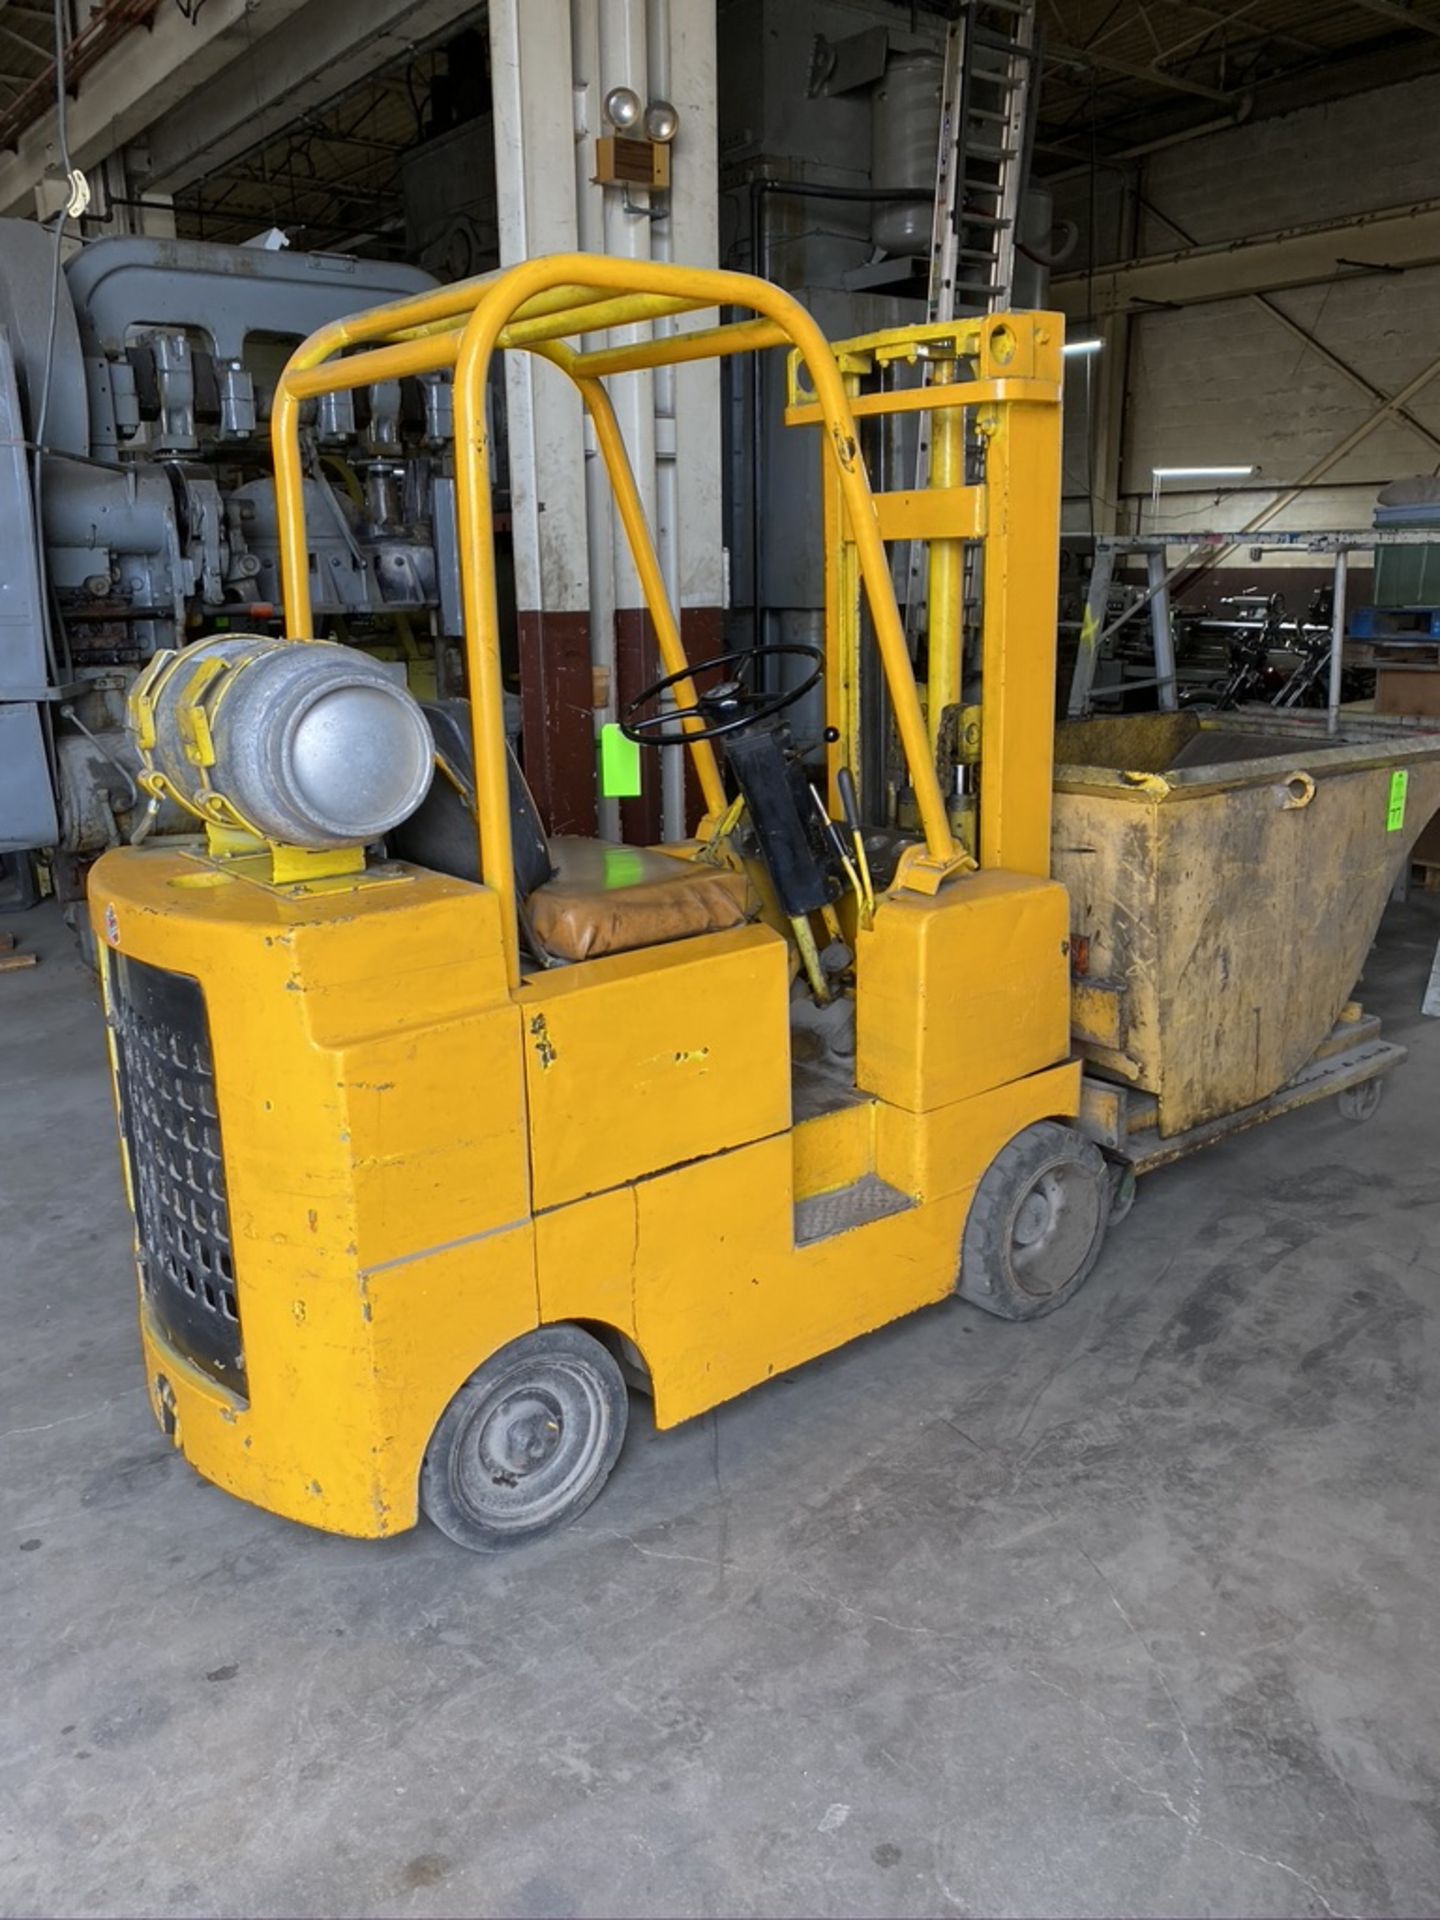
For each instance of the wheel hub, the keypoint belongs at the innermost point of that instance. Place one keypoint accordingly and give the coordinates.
(1035, 1219)
(522, 1435)
(533, 1442)
(1052, 1227)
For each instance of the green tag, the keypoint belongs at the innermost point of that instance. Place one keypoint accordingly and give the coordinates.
(1395, 810)
(623, 867)
(619, 764)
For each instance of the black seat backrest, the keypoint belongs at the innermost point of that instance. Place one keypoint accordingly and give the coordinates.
(441, 832)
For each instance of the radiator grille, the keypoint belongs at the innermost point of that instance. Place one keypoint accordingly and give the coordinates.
(171, 1124)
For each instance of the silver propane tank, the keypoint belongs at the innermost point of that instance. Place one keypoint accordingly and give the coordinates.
(304, 743)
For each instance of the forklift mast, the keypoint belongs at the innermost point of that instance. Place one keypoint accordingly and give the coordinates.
(992, 385)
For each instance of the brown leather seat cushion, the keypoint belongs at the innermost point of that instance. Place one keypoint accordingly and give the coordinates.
(609, 899)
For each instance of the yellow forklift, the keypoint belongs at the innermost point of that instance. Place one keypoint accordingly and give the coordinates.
(438, 1130)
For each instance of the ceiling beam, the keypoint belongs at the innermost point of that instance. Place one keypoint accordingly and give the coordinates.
(138, 81)
(1061, 55)
(1255, 27)
(1400, 11)
(328, 49)
(280, 188)
(42, 54)
(1113, 133)
(1266, 263)
(313, 128)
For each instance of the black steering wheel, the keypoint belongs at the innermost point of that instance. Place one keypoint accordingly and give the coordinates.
(724, 709)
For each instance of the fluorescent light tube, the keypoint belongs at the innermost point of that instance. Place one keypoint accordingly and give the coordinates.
(1200, 473)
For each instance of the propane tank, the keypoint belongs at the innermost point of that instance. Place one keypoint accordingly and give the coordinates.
(303, 743)
(904, 144)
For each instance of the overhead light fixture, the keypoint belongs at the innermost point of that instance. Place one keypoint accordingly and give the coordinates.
(1201, 473)
(1159, 475)
(662, 122)
(623, 108)
(1081, 346)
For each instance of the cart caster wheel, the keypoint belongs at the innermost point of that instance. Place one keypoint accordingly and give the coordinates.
(1359, 1103)
(1036, 1223)
(528, 1441)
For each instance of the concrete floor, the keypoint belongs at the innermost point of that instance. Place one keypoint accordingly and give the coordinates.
(1132, 1611)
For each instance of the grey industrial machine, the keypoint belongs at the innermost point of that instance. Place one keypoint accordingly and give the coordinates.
(139, 509)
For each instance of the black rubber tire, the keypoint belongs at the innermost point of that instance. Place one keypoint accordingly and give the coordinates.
(1361, 1102)
(1036, 1224)
(78, 920)
(495, 1437)
(1124, 1187)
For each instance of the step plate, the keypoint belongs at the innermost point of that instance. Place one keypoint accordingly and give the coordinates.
(826, 1214)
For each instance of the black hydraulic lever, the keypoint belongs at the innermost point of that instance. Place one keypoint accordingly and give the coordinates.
(849, 806)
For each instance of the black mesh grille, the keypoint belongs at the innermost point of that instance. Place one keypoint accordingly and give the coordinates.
(172, 1132)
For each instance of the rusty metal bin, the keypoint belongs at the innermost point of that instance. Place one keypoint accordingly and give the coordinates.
(1227, 875)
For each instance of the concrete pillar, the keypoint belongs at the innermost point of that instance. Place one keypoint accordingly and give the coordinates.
(688, 443)
(535, 188)
(1107, 419)
(554, 62)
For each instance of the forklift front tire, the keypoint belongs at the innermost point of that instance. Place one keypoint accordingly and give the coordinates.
(1036, 1223)
(1361, 1102)
(528, 1441)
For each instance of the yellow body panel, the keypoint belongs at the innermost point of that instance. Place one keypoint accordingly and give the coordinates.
(584, 1257)
(922, 1153)
(377, 1148)
(341, 1410)
(961, 993)
(834, 1149)
(725, 1299)
(699, 1265)
(642, 1060)
(374, 1141)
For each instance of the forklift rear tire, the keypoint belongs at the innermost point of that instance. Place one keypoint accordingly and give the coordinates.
(528, 1441)
(1036, 1223)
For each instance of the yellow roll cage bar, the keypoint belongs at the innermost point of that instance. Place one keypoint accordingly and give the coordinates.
(534, 306)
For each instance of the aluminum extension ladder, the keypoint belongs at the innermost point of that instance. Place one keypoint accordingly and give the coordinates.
(987, 121)
(986, 130)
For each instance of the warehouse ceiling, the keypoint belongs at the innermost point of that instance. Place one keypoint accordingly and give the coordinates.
(333, 179)
(27, 49)
(1122, 76)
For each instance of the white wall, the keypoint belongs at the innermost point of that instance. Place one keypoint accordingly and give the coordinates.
(1225, 382)
(1371, 150)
